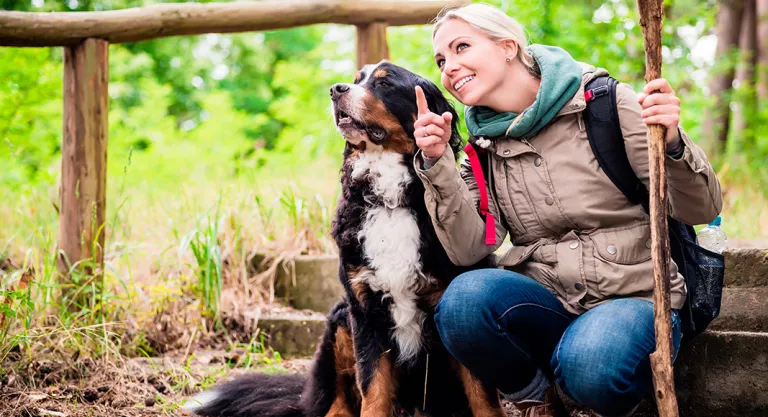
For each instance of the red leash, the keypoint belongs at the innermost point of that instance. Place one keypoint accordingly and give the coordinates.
(477, 170)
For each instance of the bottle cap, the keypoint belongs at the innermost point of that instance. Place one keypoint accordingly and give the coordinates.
(716, 222)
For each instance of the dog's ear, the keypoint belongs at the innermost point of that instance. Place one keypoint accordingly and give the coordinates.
(438, 104)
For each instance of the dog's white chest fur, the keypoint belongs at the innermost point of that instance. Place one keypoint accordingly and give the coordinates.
(391, 242)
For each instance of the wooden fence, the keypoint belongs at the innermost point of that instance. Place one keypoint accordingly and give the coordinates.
(86, 36)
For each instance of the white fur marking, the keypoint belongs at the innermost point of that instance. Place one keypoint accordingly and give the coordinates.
(200, 400)
(391, 246)
(356, 99)
(389, 175)
(357, 93)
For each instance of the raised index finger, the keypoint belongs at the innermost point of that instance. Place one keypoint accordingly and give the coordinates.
(421, 101)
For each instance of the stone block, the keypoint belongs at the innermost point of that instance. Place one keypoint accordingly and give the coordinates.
(307, 282)
(293, 335)
(723, 374)
(746, 268)
(743, 309)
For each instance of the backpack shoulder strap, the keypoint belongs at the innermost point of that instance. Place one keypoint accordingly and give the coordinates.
(607, 141)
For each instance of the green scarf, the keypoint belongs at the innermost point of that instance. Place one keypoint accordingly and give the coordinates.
(560, 80)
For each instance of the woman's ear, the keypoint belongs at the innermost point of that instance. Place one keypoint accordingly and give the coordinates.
(510, 48)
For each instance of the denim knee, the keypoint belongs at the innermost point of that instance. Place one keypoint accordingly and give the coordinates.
(602, 360)
(462, 311)
(598, 385)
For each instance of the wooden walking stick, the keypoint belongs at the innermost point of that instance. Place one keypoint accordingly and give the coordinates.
(651, 13)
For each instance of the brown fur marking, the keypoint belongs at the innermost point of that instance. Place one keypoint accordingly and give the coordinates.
(359, 287)
(344, 358)
(344, 352)
(379, 400)
(398, 141)
(481, 405)
(380, 73)
(433, 297)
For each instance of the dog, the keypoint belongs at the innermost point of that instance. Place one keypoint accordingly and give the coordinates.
(380, 355)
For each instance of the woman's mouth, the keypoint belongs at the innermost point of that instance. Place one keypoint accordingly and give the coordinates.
(462, 82)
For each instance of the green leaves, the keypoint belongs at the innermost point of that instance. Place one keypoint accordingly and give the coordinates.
(30, 93)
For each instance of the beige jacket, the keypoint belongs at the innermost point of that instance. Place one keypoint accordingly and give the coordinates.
(572, 229)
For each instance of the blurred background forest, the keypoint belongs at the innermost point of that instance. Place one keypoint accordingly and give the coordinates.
(224, 145)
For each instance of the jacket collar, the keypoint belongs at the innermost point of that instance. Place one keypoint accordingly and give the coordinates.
(578, 103)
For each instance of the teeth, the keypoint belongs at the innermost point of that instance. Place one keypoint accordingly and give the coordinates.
(463, 81)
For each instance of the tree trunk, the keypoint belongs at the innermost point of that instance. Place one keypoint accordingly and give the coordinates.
(371, 44)
(745, 114)
(715, 126)
(762, 47)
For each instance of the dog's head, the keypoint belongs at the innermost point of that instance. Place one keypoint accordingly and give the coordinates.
(379, 108)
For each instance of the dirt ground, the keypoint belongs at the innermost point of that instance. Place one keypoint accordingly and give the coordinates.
(140, 387)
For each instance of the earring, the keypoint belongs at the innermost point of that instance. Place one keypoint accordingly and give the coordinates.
(509, 59)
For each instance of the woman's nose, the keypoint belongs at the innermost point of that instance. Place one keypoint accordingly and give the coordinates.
(450, 66)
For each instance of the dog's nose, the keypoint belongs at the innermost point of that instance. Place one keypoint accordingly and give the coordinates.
(337, 90)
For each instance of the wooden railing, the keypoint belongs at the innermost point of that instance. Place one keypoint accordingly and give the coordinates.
(86, 36)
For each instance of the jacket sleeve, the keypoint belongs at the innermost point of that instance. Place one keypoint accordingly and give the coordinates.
(451, 197)
(693, 189)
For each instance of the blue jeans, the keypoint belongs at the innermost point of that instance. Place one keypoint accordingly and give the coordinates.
(509, 330)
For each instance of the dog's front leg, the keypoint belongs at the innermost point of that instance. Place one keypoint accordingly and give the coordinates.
(379, 392)
(483, 400)
(375, 366)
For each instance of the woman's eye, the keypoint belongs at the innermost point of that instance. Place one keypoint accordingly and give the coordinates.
(440, 63)
(461, 46)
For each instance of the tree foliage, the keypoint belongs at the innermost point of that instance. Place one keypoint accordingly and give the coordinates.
(260, 95)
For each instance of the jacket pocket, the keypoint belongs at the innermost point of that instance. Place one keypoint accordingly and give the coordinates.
(622, 260)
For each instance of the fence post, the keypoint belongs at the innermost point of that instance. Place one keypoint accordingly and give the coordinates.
(84, 156)
(371, 43)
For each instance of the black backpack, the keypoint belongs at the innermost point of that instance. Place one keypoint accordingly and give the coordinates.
(703, 270)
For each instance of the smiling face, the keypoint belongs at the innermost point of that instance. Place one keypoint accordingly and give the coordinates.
(472, 65)
(378, 110)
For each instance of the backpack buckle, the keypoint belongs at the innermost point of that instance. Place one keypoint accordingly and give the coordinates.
(594, 93)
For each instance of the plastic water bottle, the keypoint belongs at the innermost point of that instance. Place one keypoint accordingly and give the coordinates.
(712, 237)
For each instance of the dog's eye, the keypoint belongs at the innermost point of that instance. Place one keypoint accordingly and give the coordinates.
(383, 84)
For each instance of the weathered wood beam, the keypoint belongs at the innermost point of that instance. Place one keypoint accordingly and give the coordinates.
(84, 155)
(177, 19)
(371, 44)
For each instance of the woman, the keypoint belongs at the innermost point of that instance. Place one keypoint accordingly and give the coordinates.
(572, 303)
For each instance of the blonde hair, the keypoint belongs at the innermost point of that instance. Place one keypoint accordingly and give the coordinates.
(494, 24)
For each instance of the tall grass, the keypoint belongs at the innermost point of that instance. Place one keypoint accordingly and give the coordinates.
(206, 248)
(176, 255)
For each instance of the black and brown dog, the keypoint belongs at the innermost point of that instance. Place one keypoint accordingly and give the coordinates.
(380, 355)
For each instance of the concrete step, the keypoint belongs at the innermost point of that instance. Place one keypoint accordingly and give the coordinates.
(746, 268)
(292, 334)
(723, 374)
(305, 282)
(743, 309)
